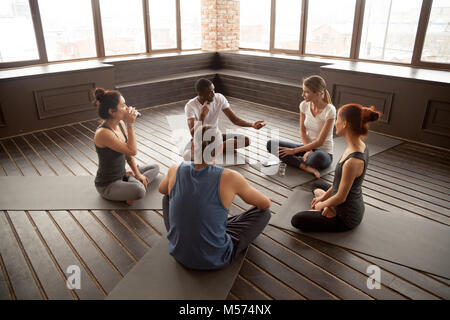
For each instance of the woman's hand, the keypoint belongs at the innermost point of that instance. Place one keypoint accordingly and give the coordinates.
(131, 116)
(305, 156)
(319, 205)
(316, 200)
(142, 179)
(283, 151)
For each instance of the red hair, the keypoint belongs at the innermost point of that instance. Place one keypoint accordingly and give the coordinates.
(358, 117)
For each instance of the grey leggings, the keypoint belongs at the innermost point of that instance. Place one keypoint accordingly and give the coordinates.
(131, 189)
(318, 159)
(243, 228)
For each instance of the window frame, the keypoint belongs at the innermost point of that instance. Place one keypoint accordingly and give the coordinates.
(358, 21)
(98, 35)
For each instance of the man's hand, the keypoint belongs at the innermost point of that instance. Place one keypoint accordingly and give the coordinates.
(258, 124)
(204, 111)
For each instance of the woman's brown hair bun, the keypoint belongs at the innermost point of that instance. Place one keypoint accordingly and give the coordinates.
(358, 117)
(369, 114)
(106, 100)
(99, 94)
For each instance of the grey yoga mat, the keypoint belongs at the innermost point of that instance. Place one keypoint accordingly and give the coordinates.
(400, 238)
(67, 193)
(158, 276)
(295, 177)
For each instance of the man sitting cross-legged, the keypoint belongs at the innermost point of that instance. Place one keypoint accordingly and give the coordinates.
(206, 107)
(197, 199)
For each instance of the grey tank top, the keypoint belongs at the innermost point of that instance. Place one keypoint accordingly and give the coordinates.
(352, 210)
(111, 164)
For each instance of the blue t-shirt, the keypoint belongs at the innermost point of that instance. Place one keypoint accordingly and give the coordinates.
(198, 219)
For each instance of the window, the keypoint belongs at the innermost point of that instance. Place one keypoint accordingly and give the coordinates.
(123, 26)
(191, 25)
(330, 27)
(255, 24)
(17, 39)
(389, 30)
(163, 24)
(437, 40)
(287, 24)
(68, 29)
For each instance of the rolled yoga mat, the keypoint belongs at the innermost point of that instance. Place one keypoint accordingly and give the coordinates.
(158, 276)
(295, 177)
(405, 239)
(67, 193)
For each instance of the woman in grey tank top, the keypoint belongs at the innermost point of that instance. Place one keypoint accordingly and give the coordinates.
(340, 207)
(114, 147)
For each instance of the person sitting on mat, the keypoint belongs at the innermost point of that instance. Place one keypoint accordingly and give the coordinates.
(340, 207)
(206, 107)
(196, 203)
(317, 116)
(114, 146)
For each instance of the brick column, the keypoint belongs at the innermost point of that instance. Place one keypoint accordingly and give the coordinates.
(220, 25)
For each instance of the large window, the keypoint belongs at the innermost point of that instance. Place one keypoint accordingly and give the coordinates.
(68, 29)
(330, 26)
(389, 30)
(17, 39)
(255, 24)
(123, 26)
(287, 24)
(191, 24)
(163, 23)
(437, 41)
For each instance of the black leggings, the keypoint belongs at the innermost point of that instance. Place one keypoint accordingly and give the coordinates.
(311, 220)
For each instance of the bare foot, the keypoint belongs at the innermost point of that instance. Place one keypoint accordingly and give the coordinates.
(309, 169)
(130, 202)
(318, 192)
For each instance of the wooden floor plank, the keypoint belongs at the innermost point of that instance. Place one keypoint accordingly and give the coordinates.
(127, 238)
(65, 256)
(288, 277)
(266, 283)
(9, 167)
(22, 281)
(111, 248)
(50, 159)
(37, 162)
(53, 285)
(344, 272)
(322, 279)
(101, 269)
(6, 292)
(245, 291)
(19, 159)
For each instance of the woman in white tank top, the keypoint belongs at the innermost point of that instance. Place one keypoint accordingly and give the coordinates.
(317, 117)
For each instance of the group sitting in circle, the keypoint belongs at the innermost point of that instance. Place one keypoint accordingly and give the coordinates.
(198, 194)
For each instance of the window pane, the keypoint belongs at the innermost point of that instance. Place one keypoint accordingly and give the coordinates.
(330, 27)
(437, 41)
(255, 24)
(19, 45)
(68, 29)
(123, 26)
(163, 24)
(389, 30)
(287, 24)
(191, 25)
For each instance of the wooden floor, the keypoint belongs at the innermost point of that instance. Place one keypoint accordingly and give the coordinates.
(37, 247)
